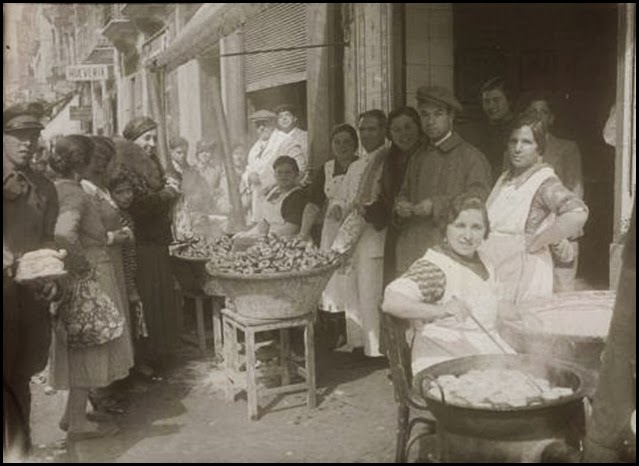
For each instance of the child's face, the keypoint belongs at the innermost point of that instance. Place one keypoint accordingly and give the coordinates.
(122, 194)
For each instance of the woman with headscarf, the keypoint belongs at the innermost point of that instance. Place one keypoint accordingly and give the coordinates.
(95, 184)
(154, 199)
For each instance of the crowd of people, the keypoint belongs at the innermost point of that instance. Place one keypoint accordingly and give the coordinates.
(436, 228)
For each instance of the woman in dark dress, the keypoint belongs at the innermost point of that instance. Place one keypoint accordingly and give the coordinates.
(404, 131)
(154, 199)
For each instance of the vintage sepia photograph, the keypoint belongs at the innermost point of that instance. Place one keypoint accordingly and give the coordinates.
(319, 232)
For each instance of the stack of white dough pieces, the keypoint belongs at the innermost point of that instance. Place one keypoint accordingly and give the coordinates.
(41, 264)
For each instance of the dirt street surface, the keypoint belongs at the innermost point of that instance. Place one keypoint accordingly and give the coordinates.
(184, 418)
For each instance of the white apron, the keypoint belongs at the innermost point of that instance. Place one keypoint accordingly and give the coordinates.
(260, 160)
(521, 275)
(333, 186)
(447, 338)
(363, 276)
(271, 209)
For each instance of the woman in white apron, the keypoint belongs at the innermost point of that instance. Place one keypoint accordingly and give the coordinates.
(280, 212)
(329, 189)
(448, 291)
(530, 212)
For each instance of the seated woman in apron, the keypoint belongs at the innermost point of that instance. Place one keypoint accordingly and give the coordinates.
(449, 295)
(531, 214)
(280, 212)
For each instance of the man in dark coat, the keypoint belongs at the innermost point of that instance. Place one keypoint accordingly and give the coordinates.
(29, 214)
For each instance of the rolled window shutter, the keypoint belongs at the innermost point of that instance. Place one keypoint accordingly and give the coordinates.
(283, 25)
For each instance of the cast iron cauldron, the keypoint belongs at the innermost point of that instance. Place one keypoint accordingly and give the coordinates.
(468, 434)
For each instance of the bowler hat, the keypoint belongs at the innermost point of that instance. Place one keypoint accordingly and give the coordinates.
(440, 95)
(262, 115)
(23, 116)
(137, 127)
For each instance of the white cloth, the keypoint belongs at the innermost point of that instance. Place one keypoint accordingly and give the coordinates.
(295, 145)
(260, 161)
(361, 281)
(271, 208)
(447, 338)
(523, 275)
(333, 186)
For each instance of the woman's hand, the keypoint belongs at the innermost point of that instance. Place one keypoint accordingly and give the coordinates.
(263, 227)
(457, 308)
(254, 179)
(404, 209)
(335, 213)
(535, 243)
(424, 208)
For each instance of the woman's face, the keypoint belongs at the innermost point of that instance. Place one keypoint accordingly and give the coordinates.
(343, 146)
(148, 141)
(122, 194)
(466, 233)
(404, 132)
(522, 148)
(99, 162)
(285, 176)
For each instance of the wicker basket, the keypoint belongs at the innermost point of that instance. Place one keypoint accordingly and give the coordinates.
(280, 295)
(190, 273)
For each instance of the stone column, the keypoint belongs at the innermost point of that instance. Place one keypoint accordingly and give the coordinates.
(626, 141)
(321, 82)
(233, 85)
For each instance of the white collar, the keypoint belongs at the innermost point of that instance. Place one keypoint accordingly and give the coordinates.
(444, 139)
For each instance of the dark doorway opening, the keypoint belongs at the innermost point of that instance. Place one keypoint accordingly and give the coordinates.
(570, 51)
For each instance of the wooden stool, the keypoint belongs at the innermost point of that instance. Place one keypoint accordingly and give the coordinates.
(232, 322)
(216, 318)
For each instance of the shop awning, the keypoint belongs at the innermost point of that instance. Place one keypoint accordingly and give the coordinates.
(211, 22)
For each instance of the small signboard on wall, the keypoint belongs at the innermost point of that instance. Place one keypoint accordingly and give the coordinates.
(80, 113)
(87, 72)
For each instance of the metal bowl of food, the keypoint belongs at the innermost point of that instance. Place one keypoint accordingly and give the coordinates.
(477, 431)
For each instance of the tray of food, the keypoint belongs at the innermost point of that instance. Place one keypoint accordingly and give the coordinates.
(42, 264)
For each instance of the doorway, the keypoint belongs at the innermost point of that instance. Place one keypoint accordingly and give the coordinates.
(570, 51)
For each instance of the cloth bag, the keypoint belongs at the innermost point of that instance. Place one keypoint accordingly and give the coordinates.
(89, 316)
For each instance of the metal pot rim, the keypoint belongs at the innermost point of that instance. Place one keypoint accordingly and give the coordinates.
(425, 375)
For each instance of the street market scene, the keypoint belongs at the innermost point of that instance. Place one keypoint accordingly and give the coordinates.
(314, 232)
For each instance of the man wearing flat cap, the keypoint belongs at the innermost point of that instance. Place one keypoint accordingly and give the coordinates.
(296, 143)
(444, 167)
(29, 214)
(259, 172)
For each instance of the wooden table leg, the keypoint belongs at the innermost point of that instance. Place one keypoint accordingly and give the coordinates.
(309, 350)
(199, 316)
(218, 340)
(285, 348)
(230, 348)
(251, 375)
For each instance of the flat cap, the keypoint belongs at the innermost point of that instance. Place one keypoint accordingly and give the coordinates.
(137, 127)
(262, 115)
(440, 95)
(23, 116)
(286, 108)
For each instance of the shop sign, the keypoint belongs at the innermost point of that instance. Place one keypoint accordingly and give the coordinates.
(80, 113)
(87, 72)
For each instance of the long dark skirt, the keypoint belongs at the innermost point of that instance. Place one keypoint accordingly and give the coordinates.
(155, 285)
